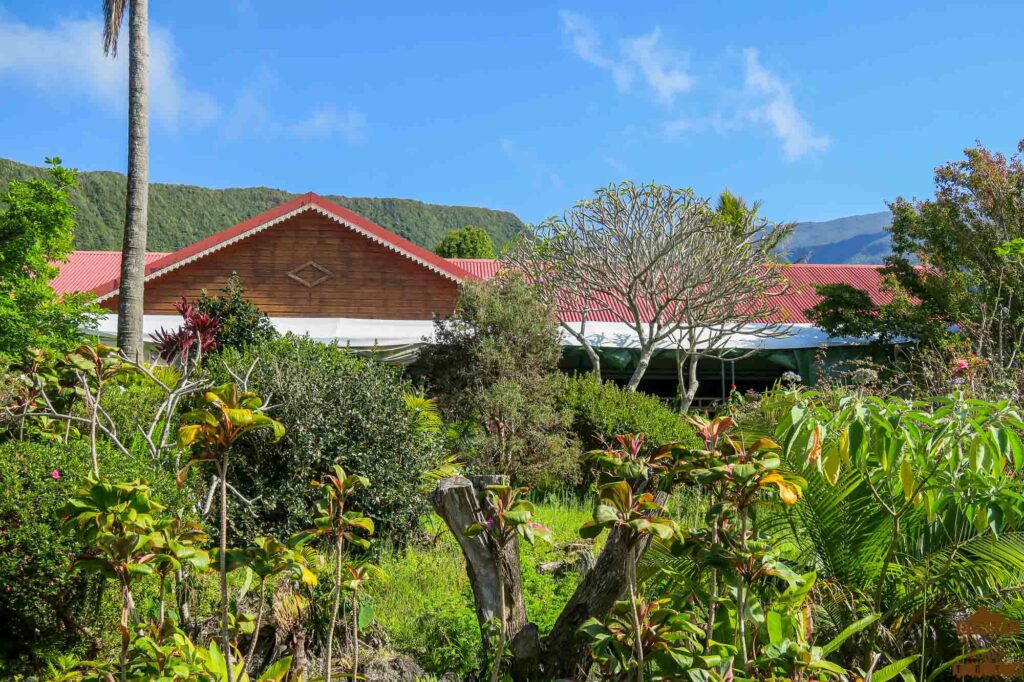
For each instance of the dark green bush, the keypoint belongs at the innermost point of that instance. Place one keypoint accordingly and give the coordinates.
(493, 366)
(43, 607)
(336, 408)
(242, 322)
(603, 410)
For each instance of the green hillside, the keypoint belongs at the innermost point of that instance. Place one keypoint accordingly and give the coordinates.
(182, 214)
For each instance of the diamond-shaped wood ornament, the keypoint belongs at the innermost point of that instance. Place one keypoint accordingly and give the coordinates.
(310, 273)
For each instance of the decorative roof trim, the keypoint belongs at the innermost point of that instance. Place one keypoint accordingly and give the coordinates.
(159, 271)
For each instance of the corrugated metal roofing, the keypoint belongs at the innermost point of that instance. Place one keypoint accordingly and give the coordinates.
(792, 305)
(90, 270)
(86, 270)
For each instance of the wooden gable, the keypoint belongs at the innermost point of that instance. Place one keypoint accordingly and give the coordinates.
(310, 265)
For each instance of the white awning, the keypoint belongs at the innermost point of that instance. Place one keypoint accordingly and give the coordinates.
(400, 334)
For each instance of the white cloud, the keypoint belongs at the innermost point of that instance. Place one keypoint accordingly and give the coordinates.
(328, 121)
(68, 58)
(664, 72)
(776, 107)
(530, 163)
(655, 65)
(586, 43)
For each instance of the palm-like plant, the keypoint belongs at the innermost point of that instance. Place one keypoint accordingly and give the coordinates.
(176, 546)
(133, 251)
(343, 526)
(208, 434)
(118, 522)
(507, 515)
(268, 557)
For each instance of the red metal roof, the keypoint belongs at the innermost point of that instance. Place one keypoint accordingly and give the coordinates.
(310, 200)
(99, 270)
(792, 305)
(86, 270)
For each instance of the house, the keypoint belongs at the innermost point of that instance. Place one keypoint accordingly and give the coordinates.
(317, 268)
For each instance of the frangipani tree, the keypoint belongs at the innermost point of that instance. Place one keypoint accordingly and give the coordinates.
(661, 261)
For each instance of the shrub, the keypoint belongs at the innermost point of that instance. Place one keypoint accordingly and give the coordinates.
(603, 410)
(494, 367)
(337, 408)
(466, 242)
(242, 322)
(43, 607)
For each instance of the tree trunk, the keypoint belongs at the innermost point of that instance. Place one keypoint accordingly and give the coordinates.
(259, 621)
(225, 629)
(457, 501)
(641, 367)
(133, 250)
(687, 387)
(339, 546)
(560, 655)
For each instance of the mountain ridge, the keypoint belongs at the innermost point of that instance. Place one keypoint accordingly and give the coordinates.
(182, 214)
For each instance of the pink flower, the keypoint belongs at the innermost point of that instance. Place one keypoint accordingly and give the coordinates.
(962, 364)
(55, 474)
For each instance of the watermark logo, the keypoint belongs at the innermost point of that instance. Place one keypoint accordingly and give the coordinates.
(993, 663)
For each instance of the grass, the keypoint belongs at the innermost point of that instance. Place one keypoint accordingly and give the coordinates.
(426, 606)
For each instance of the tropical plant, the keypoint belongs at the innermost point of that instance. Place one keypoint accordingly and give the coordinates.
(667, 638)
(133, 251)
(176, 547)
(641, 517)
(266, 558)
(208, 434)
(197, 336)
(506, 516)
(37, 223)
(118, 522)
(936, 465)
(342, 526)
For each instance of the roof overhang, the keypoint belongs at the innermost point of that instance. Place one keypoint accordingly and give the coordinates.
(264, 221)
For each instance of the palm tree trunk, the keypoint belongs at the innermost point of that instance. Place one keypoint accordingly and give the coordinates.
(133, 250)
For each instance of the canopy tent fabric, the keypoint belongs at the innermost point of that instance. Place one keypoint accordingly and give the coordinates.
(402, 337)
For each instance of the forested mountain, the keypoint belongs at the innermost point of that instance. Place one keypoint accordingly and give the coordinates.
(854, 239)
(182, 214)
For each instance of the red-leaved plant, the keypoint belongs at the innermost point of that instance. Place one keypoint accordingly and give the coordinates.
(196, 336)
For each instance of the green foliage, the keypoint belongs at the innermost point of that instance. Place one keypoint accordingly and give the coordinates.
(466, 242)
(955, 269)
(602, 410)
(44, 606)
(338, 409)
(182, 214)
(242, 323)
(493, 366)
(37, 222)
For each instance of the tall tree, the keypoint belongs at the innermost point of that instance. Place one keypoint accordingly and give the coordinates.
(37, 222)
(957, 267)
(133, 250)
(466, 242)
(740, 295)
(657, 259)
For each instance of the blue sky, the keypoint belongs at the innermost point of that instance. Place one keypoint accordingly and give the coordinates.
(818, 109)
